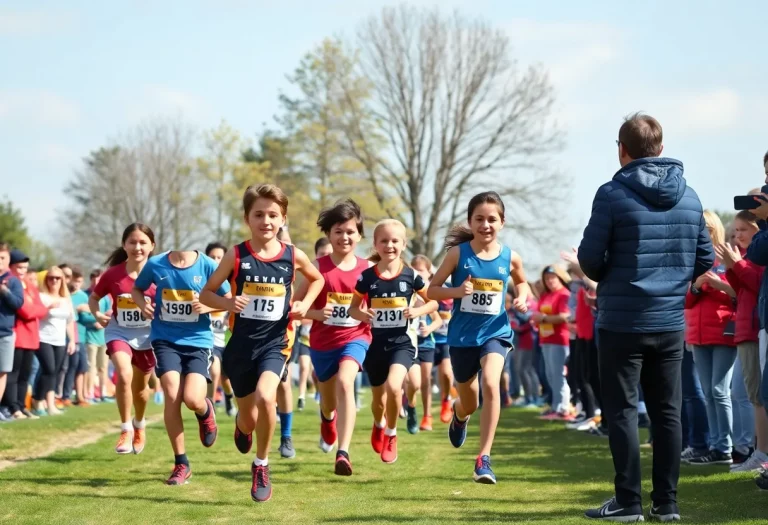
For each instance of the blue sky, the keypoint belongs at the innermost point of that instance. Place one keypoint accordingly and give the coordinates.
(75, 74)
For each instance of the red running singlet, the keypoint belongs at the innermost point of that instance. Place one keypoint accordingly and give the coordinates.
(339, 329)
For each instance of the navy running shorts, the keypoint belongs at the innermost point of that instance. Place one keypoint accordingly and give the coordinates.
(426, 355)
(245, 360)
(182, 359)
(299, 349)
(442, 351)
(381, 357)
(465, 360)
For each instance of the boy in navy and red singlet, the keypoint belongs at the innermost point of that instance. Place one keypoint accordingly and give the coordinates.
(338, 343)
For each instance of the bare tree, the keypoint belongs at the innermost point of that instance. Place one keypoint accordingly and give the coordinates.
(144, 176)
(455, 115)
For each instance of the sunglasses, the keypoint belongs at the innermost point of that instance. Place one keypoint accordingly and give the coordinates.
(53, 278)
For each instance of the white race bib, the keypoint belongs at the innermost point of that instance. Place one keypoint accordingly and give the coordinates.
(128, 314)
(177, 306)
(389, 312)
(486, 299)
(445, 315)
(267, 301)
(340, 313)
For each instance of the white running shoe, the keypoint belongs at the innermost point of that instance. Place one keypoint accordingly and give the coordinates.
(753, 464)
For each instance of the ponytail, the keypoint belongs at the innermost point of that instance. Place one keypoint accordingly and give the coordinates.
(458, 235)
(118, 256)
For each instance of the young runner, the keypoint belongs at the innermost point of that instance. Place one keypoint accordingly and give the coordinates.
(182, 340)
(219, 327)
(301, 352)
(338, 343)
(443, 360)
(284, 391)
(479, 334)
(421, 371)
(388, 289)
(127, 333)
(262, 272)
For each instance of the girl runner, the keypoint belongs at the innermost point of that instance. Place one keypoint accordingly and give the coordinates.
(127, 332)
(388, 288)
(262, 272)
(182, 340)
(443, 360)
(479, 334)
(425, 357)
(219, 327)
(338, 343)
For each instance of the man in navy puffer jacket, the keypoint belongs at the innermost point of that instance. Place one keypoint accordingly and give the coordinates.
(645, 243)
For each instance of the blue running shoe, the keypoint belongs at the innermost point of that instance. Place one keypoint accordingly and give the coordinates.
(483, 473)
(413, 423)
(457, 431)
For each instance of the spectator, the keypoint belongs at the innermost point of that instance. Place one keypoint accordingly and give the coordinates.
(96, 346)
(11, 299)
(27, 330)
(78, 362)
(645, 242)
(57, 339)
(710, 318)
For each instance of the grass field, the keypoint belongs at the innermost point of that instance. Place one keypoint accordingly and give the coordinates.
(546, 475)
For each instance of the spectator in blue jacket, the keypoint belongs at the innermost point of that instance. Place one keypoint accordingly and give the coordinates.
(645, 243)
(11, 299)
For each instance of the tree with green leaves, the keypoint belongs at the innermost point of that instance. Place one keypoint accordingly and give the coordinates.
(13, 230)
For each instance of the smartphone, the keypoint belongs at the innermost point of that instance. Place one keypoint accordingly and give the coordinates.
(748, 202)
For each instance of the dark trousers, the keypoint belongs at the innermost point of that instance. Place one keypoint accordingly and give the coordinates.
(17, 382)
(77, 364)
(695, 424)
(581, 372)
(654, 361)
(51, 361)
(541, 371)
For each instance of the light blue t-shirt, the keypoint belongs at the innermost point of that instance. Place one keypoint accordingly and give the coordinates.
(175, 321)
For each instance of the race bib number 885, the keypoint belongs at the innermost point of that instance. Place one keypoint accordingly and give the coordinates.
(486, 299)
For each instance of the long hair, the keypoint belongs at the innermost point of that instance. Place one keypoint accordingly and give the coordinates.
(119, 255)
(55, 271)
(423, 259)
(715, 227)
(375, 257)
(460, 233)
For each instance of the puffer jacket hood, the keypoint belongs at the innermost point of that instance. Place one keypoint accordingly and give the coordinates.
(658, 180)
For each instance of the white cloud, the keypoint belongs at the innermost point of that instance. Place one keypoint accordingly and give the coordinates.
(38, 107)
(699, 113)
(30, 23)
(163, 100)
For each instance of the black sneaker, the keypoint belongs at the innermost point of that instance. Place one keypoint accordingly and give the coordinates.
(692, 453)
(762, 480)
(286, 448)
(413, 423)
(713, 457)
(300, 404)
(612, 511)
(666, 512)
(739, 458)
(261, 486)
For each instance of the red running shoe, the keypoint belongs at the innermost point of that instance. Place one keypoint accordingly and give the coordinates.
(328, 434)
(208, 428)
(261, 486)
(343, 464)
(180, 475)
(389, 452)
(243, 441)
(446, 411)
(377, 439)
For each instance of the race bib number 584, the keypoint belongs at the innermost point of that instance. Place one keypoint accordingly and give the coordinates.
(340, 303)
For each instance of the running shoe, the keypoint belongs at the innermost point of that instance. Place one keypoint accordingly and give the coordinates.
(446, 411)
(403, 413)
(426, 424)
(457, 431)
(762, 480)
(584, 425)
(208, 428)
(612, 511)
(300, 404)
(180, 475)
(328, 434)
(664, 513)
(377, 439)
(546, 413)
(125, 442)
(520, 402)
(66, 403)
(483, 472)
(389, 451)
(714, 457)
(692, 453)
(261, 486)
(739, 458)
(413, 426)
(243, 441)
(18, 415)
(39, 412)
(753, 464)
(286, 448)
(139, 440)
(29, 414)
(343, 464)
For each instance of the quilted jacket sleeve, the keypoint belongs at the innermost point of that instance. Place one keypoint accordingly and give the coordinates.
(593, 251)
(705, 253)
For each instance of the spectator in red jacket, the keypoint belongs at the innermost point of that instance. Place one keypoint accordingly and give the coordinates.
(710, 316)
(26, 329)
(745, 277)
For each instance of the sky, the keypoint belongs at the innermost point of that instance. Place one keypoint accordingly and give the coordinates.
(75, 74)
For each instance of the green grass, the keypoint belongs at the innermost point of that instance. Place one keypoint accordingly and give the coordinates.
(546, 475)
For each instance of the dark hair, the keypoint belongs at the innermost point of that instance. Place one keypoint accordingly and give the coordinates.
(421, 258)
(95, 273)
(343, 211)
(765, 158)
(77, 273)
(641, 136)
(63, 266)
(215, 245)
(747, 216)
(264, 191)
(5, 247)
(459, 233)
(322, 242)
(119, 256)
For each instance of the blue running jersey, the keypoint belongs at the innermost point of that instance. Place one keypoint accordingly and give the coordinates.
(480, 316)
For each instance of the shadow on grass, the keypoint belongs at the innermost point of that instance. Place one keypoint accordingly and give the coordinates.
(151, 499)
